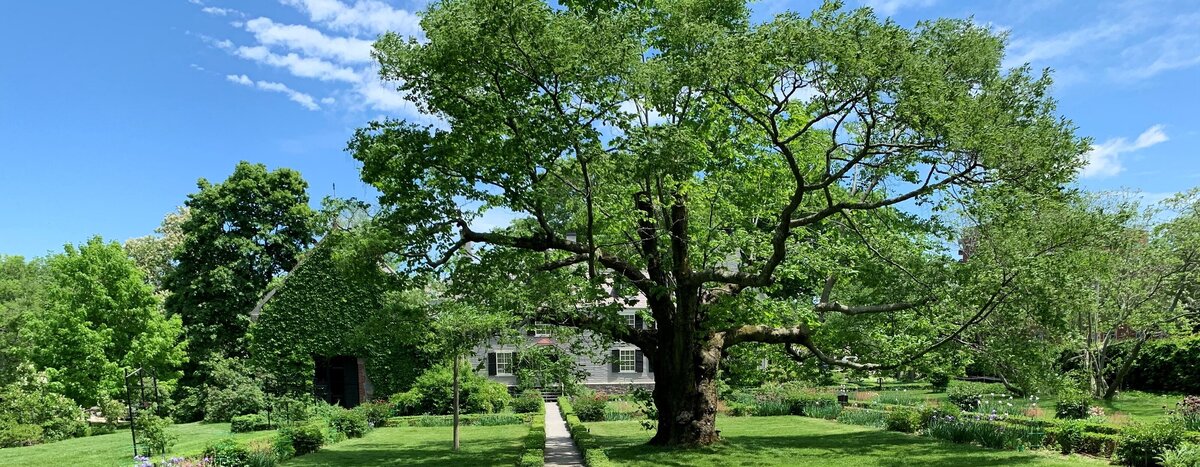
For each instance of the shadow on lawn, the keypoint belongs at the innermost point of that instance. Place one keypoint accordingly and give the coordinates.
(392, 452)
(882, 448)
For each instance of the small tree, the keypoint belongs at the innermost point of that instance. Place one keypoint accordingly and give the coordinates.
(457, 330)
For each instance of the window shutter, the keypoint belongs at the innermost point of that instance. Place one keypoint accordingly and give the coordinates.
(516, 359)
(616, 361)
(530, 330)
(637, 358)
(491, 363)
(637, 322)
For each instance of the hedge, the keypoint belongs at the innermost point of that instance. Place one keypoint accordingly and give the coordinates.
(533, 452)
(593, 452)
(491, 419)
(1167, 365)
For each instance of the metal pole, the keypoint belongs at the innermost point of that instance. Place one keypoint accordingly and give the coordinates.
(129, 405)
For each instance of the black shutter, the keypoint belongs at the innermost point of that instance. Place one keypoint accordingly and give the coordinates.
(637, 358)
(637, 322)
(530, 331)
(616, 361)
(491, 363)
(516, 359)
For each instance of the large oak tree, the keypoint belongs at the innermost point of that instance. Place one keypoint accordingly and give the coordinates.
(795, 182)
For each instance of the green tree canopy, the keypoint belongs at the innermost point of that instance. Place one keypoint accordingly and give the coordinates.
(23, 287)
(785, 182)
(240, 234)
(101, 316)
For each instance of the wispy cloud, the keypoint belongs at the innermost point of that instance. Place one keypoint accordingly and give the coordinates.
(334, 48)
(368, 17)
(296, 96)
(1023, 51)
(890, 7)
(1176, 47)
(1104, 160)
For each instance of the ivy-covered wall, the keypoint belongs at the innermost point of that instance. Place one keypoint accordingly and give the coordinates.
(321, 309)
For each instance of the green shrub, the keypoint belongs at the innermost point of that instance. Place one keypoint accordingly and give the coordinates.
(227, 452)
(231, 390)
(1072, 405)
(529, 401)
(590, 407)
(305, 438)
(1097, 444)
(532, 458)
(1168, 365)
(950, 428)
(940, 380)
(34, 402)
(737, 409)
(1142, 445)
(352, 423)
(1067, 435)
(375, 412)
(406, 403)
(433, 393)
(261, 453)
(967, 396)
(1184, 455)
(152, 430)
(904, 420)
(18, 434)
(486, 396)
(283, 446)
(248, 423)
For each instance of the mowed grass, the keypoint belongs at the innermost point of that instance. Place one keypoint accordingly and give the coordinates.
(779, 441)
(115, 449)
(481, 445)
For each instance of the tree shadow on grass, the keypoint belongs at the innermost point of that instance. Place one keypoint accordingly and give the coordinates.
(870, 447)
(397, 452)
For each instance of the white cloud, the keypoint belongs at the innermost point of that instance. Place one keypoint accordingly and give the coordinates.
(890, 7)
(1176, 48)
(369, 17)
(1034, 51)
(304, 67)
(295, 96)
(327, 100)
(1104, 160)
(212, 10)
(310, 41)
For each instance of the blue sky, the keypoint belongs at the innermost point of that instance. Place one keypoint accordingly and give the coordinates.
(110, 111)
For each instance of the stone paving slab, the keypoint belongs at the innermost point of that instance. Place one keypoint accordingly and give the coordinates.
(560, 448)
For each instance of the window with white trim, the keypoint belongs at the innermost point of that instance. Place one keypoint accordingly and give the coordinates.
(504, 363)
(541, 330)
(631, 319)
(628, 361)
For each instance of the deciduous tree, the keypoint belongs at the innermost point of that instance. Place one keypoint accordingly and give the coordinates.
(784, 182)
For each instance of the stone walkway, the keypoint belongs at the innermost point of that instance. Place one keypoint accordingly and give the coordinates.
(560, 448)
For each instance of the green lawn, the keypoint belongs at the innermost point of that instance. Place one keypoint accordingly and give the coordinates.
(114, 449)
(766, 441)
(481, 445)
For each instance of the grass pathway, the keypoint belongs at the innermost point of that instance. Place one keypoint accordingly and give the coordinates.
(780, 441)
(481, 446)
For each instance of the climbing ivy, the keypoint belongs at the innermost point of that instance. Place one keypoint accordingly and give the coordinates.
(324, 309)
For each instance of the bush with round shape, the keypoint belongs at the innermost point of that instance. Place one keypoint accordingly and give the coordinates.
(376, 412)
(904, 420)
(528, 402)
(940, 380)
(248, 423)
(1072, 405)
(351, 423)
(17, 434)
(590, 407)
(227, 452)
(306, 438)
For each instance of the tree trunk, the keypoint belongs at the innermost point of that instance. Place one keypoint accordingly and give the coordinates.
(1119, 378)
(456, 403)
(685, 385)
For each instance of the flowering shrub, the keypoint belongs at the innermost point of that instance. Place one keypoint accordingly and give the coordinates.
(1072, 405)
(1187, 413)
(590, 407)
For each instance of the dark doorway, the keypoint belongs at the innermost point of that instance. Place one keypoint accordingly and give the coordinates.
(336, 380)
